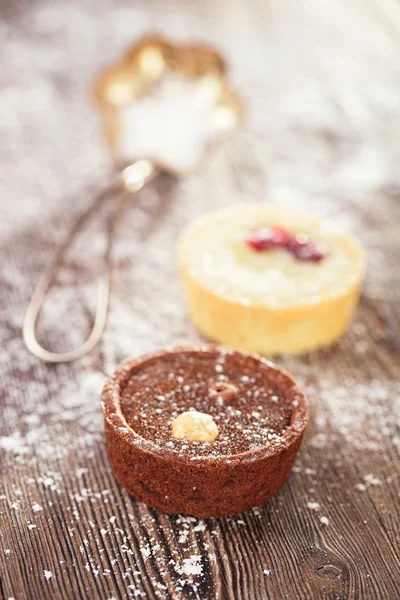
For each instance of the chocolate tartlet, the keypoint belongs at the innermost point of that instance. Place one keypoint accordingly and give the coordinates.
(255, 408)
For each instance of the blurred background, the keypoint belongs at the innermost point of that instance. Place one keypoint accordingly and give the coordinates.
(320, 85)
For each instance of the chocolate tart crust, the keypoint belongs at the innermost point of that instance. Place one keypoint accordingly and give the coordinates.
(200, 485)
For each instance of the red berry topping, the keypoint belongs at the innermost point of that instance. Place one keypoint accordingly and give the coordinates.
(304, 249)
(299, 244)
(266, 238)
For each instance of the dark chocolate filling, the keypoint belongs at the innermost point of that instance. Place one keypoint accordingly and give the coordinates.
(254, 415)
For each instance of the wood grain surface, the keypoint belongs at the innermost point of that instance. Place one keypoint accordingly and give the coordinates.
(322, 91)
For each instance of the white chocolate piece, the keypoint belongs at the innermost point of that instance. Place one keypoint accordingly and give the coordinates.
(195, 427)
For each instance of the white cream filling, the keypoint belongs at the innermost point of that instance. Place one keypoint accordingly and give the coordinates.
(219, 258)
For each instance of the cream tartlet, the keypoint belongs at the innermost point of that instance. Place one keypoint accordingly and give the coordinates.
(270, 280)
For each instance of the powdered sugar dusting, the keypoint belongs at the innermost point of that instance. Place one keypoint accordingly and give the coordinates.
(255, 411)
(366, 415)
(48, 574)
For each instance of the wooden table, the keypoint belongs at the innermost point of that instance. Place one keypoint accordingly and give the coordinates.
(323, 97)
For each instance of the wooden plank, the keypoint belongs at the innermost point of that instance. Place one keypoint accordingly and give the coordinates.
(322, 135)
